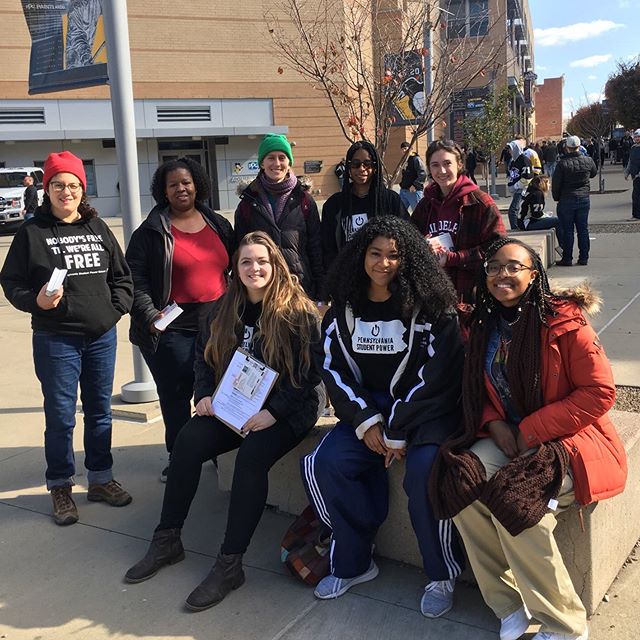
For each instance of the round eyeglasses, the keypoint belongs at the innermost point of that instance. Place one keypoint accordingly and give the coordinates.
(511, 268)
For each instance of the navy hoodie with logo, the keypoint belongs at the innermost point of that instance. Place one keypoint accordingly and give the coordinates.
(98, 288)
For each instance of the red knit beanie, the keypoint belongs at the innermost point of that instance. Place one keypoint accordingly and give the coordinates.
(64, 162)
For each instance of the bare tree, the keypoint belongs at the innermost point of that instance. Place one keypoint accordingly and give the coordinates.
(381, 63)
(592, 121)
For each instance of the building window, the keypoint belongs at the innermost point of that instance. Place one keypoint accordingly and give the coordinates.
(90, 170)
(467, 18)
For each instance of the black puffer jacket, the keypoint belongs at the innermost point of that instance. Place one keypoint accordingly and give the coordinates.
(150, 254)
(297, 231)
(571, 177)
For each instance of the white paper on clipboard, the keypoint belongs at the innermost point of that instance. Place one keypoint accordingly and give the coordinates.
(443, 240)
(243, 390)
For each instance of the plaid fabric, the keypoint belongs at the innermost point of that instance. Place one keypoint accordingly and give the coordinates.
(480, 225)
(305, 548)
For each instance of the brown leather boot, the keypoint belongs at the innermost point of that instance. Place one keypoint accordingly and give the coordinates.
(166, 548)
(226, 575)
(64, 508)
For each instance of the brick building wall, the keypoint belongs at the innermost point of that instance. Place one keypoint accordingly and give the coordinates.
(548, 111)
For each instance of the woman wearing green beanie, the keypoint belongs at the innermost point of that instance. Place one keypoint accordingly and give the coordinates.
(276, 203)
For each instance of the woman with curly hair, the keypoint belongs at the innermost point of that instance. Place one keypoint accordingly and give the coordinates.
(266, 312)
(180, 253)
(74, 333)
(363, 197)
(392, 364)
(536, 438)
(457, 218)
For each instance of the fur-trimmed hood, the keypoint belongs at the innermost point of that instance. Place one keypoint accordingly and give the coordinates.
(584, 295)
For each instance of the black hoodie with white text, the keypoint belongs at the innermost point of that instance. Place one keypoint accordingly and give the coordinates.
(98, 288)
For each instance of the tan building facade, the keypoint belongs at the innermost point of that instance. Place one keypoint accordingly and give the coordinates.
(207, 82)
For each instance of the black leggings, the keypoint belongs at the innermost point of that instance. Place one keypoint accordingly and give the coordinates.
(203, 438)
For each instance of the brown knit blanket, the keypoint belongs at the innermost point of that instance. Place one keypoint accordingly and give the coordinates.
(517, 495)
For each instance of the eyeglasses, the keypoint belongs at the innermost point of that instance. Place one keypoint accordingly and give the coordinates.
(59, 187)
(367, 164)
(511, 268)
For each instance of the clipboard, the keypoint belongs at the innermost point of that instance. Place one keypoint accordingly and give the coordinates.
(242, 390)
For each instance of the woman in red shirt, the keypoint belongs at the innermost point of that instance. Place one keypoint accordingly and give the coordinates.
(180, 254)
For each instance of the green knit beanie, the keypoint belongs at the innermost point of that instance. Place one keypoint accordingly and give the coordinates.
(274, 142)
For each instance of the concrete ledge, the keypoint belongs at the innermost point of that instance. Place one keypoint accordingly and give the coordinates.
(544, 242)
(593, 557)
(143, 412)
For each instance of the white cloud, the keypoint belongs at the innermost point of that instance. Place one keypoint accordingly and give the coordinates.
(540, 67)
(554, 36)
(595, 97)
(591, 61)
(592, 77)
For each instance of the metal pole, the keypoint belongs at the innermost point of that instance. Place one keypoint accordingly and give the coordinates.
(428, 78)
(142, 389)
(492, 161)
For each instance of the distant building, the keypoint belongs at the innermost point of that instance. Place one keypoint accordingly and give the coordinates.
(548, 113)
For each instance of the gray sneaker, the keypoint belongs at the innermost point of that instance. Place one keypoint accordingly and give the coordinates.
(332, 587)
(437, 599)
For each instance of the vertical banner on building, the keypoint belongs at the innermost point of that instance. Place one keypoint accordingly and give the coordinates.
(404, 76)
(68, 49)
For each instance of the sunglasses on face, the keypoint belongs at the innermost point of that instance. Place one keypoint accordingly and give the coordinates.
(511, 268)
(367, 164)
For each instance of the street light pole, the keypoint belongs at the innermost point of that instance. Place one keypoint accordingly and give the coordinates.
(116, 26)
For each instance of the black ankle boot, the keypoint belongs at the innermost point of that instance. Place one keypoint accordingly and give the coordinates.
(226, 575)
(166, 548)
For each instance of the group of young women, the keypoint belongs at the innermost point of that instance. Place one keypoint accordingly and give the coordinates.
(493, 444)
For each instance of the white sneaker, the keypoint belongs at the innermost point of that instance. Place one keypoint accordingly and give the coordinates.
(437, 599)
(515, 624)
(550, 635)
(332, 587)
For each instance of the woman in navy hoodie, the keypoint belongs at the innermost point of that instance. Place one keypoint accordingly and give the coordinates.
(74, 335)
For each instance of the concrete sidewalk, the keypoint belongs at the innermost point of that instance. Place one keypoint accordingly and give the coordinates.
(60, 583)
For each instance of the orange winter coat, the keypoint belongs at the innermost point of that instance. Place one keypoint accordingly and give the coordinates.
(578, 390)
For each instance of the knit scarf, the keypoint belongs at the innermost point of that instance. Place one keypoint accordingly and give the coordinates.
(279, 190)
(517, 495)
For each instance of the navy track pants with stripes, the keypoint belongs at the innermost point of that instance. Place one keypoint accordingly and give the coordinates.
(347, 485)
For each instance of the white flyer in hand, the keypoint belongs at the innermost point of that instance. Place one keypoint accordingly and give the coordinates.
(169, 314)
(444, 240)
(243, 390)
(55, 281)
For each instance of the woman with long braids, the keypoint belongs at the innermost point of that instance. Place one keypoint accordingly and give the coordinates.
(363, 197)
(458, 219)
(266, 312)
(392, 364)
(536, 390)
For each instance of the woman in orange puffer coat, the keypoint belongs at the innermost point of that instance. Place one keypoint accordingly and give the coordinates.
(536, 438)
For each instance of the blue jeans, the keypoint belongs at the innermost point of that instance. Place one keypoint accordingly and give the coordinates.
(514, 209)
(410, 199)
(574, 212)
(171, 366)
(61, 362)
(549, 168)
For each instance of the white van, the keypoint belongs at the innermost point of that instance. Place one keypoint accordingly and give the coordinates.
(12, 192)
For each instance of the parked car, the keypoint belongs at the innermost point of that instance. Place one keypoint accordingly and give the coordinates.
(12, 193)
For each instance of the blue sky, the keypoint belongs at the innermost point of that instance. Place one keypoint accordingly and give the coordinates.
(583, 40)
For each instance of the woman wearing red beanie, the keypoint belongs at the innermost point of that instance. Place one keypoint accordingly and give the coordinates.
(74, 335)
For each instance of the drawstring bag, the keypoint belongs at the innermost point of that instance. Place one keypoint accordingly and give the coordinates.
(305, 548)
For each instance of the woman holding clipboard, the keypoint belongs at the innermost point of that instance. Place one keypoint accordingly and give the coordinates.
(265, 312)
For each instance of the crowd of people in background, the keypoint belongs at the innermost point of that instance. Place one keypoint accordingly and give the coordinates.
(437, 338)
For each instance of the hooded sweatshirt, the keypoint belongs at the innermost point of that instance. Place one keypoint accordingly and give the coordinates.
(98, 288)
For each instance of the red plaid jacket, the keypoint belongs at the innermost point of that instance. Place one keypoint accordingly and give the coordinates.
(480, 225)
